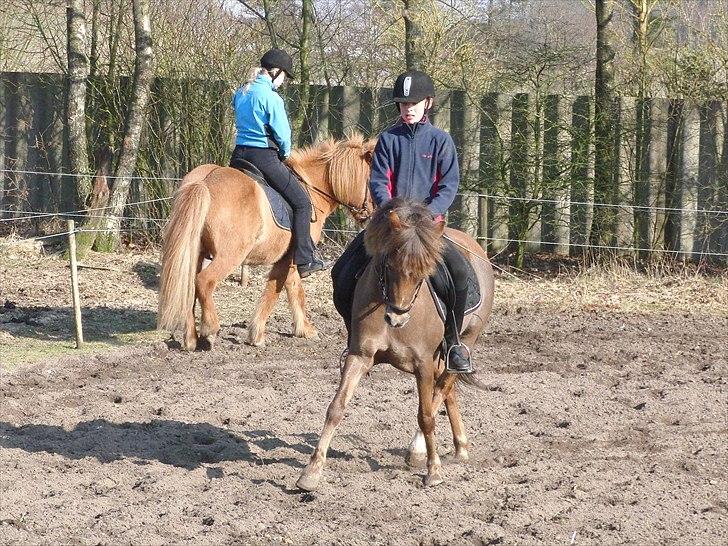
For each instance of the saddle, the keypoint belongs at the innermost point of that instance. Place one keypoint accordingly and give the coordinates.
(443, 293)
(352, 263)
(279, 207)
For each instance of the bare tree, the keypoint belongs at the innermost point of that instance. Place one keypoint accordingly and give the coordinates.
(135, 119)
(78, 71)
(604, 126)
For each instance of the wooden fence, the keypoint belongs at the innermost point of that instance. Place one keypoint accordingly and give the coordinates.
(526, 159)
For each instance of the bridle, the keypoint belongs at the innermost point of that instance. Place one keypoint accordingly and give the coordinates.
(383, 267)
(360, 213)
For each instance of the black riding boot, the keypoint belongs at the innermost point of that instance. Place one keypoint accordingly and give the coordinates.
(458, 355)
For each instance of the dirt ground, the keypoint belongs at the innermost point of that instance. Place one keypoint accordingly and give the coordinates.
(604, 421)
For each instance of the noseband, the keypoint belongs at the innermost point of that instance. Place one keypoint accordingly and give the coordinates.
(385, 293)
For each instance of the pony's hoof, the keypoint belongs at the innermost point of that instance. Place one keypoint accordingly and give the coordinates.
(308, 482)
(415, 459)
(189, 345)
(256, 340)
(432, 479)
(310, 333)
(461, 456)
(205, 343)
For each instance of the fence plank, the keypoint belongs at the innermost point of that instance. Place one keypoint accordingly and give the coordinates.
(625, 164)
(556, 157)
(464, 131)
(495, 164)
(687, 182)
(581, 174)
(4, 137)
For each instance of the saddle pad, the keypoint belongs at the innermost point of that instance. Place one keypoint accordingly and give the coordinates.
(473, 300)
(279, 207)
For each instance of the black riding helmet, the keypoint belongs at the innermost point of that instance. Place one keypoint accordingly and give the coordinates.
(413, 86)
(277, 58)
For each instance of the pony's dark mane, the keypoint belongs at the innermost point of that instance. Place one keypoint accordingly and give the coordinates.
(414, 248)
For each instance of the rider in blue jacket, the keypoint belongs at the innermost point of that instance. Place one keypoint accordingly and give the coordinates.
(264, 139)
(416, 160)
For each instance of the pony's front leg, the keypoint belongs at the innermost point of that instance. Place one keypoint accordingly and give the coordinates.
(354, 368)
(273, 286)
(302, 327)
(426, 420)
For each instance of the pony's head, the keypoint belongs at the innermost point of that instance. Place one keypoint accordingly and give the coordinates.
(345, 166)
(406, 244)
(349, 165)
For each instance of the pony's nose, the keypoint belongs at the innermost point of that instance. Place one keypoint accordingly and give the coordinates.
(396, 320)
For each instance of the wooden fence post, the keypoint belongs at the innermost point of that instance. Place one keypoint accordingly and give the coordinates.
(74, 283)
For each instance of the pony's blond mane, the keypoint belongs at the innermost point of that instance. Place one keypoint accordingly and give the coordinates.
(348, 161)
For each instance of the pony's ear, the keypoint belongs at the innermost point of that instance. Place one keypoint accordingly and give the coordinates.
(440, 227)
(394, 220)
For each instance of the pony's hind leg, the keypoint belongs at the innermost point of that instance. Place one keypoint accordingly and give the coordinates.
(207, 280)
(190, 337)
(417, 449)
(302, 327)
(354, 368)
(458, 430)
(276, 279)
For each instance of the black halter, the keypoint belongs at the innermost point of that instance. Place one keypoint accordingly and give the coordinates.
(385, 293)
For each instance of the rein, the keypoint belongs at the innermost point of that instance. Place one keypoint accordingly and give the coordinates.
(385, 293)
(360, 213)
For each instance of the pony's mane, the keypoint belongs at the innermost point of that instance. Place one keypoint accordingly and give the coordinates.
(348, 164)
(412, 249)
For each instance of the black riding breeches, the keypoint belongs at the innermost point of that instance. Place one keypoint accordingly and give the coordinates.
(457, 266)
(285, 182)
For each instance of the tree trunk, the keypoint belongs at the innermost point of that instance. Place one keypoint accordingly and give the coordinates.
(604, 128)
(300, 128)
(413, 34)
(78, 69)
(135, 119)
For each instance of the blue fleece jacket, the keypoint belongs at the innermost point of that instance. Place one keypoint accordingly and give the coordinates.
(416, 161)
(259, 115)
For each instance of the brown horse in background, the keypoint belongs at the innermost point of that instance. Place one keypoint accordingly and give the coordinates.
(393, 321)
(222, 214)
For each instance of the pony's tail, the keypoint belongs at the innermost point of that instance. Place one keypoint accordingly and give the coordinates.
(471, 380)
(180, 254)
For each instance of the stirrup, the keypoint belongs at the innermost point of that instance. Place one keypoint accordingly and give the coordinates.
(447, 359)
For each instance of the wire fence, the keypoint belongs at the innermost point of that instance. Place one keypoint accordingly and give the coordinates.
(11, 215)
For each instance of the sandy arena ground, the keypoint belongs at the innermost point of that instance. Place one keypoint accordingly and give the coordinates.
(604, 422)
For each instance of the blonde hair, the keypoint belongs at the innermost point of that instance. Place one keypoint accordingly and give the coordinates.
(252, 74)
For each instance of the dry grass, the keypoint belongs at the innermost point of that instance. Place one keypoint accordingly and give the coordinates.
(618, 287)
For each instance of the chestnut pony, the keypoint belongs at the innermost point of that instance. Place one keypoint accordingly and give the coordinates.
(394, 320)
(222, 214)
